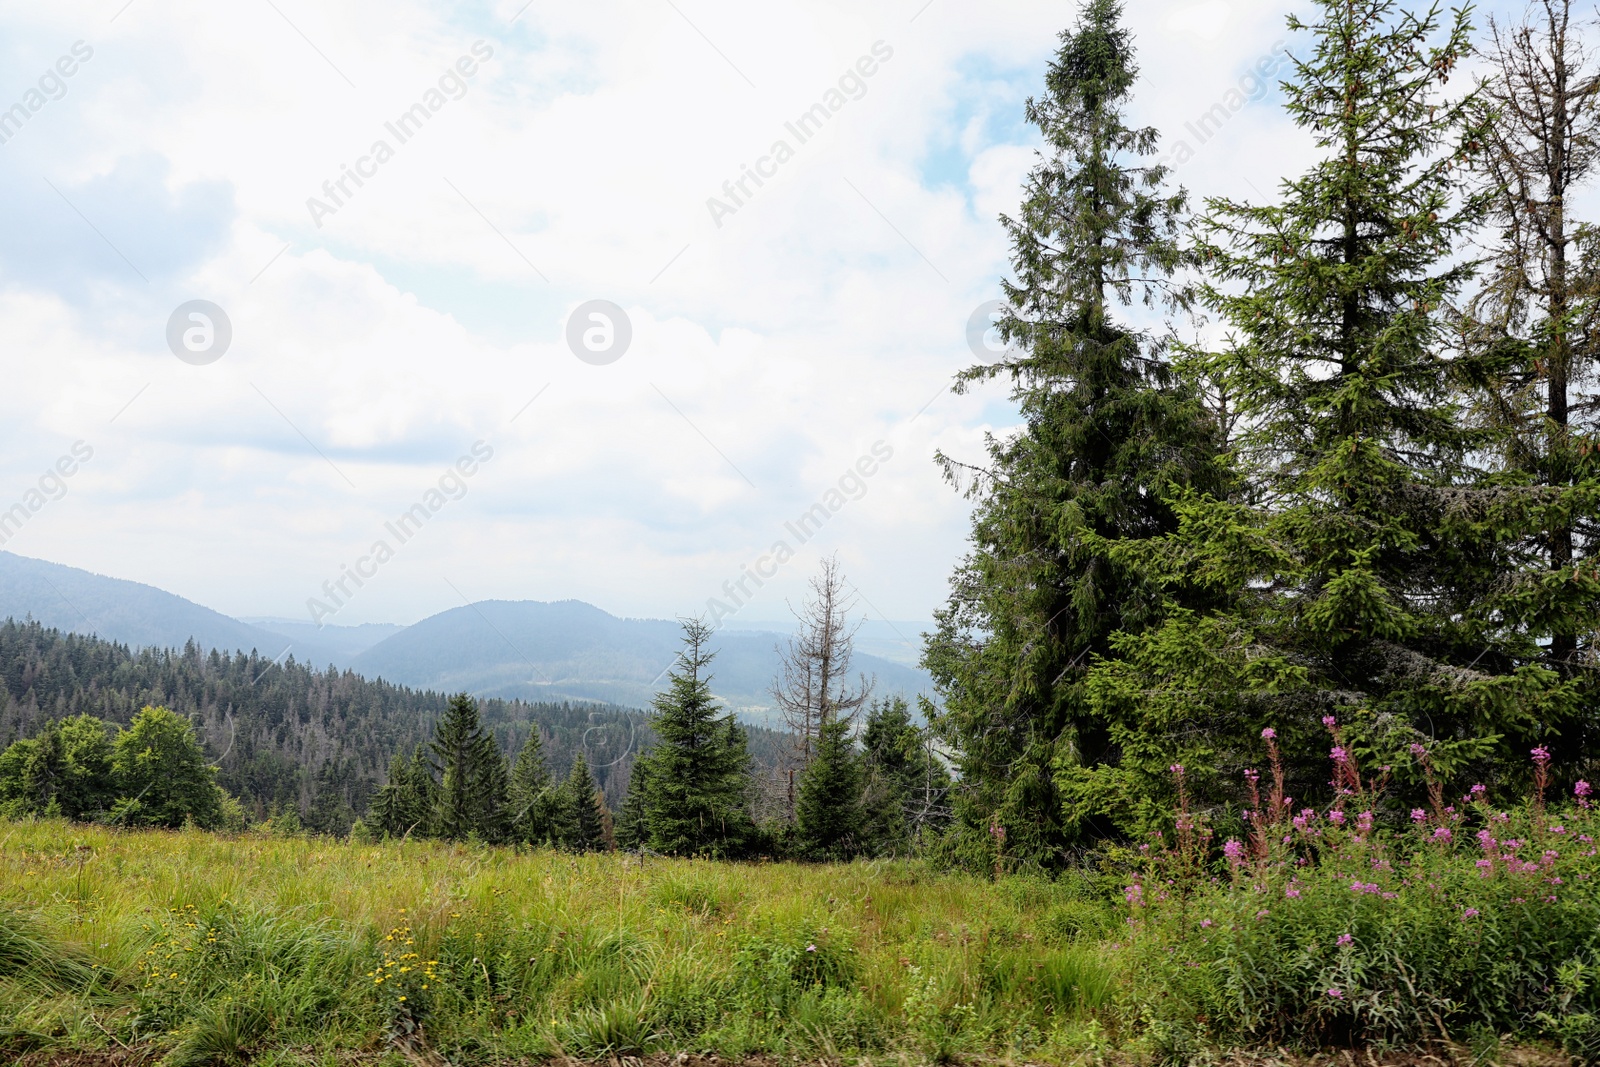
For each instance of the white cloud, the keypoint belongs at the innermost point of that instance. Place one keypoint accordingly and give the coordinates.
(776, 348)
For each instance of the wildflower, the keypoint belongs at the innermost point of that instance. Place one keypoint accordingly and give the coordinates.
(1234, 851)
(1418, 815)
(1441, 834)
(1268, 734)
(1345, 939)
(1541, 756)
(1292, 893)
(1336, 817)
(1329, 721)
(1205, 923)
(1336, 994)
(811, 948)
(1470, 913)
(1582, 789)
(1339, 754)
(1478, 791)
(1176, 768)
(1262, 914)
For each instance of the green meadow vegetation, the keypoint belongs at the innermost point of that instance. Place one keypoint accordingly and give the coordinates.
(1471, 929)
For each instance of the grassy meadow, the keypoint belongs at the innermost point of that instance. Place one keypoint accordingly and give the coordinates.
(199, 949)
(1471, 935)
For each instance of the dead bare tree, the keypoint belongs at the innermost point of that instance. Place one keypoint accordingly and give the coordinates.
(1537, 316)
(812, 687)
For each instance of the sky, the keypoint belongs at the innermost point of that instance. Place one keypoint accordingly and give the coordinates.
(577, 313)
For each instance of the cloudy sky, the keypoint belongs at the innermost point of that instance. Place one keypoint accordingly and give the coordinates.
(569, 155)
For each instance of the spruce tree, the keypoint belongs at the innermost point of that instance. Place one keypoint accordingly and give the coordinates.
(905, 788)
(530, 794)
(1356, 566)
(466, 759)
(698, 786)
(1108, 428)
(828, 812)
(582, 817)
(633, 828)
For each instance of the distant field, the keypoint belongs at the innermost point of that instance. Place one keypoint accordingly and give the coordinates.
(197, 949)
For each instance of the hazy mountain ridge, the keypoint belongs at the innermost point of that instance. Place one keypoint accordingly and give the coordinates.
(527, 650)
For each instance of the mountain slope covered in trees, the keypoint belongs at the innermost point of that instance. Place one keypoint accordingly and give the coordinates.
(288, 735)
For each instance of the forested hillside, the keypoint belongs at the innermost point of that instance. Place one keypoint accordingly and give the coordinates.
(288, 734)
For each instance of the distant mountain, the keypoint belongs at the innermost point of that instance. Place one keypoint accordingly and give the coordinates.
(78, 601)
(522, 650)
(343, 642)
(572, 651)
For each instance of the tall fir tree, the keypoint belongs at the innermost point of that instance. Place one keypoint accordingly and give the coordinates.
(1108, 428)
(632, 824)
(1357, 565)
(582, 816)
(697, 791)
(408, 801)
(531, 794)
(828, 817)
(466, 758)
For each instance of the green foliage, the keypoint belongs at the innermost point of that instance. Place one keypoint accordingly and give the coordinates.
(1352, 580)
(696, 794)
(66, 770)
(270, 724)
(1350, 935)
(828, 811)
(471, 774)
(580, 812)
(162, 775)
(1108, 429)
(530, 795)
(906, 788)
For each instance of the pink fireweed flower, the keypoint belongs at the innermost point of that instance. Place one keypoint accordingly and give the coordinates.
(1478, 791)
(1292, 893)
(1234, 851)
(1441, 834)
(1205, 923)
(1418, 815)
(1470, 913)
(1418, 750)
(1262, 914)
(811, 948)
(1345, 939)
(1541, 756)
(1582, 789)
(1339, 754)
(1176, 768)
(1336, 817)
(1336, 994)
(1268, 734)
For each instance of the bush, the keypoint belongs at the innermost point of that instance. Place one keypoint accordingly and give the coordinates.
(1326, 928)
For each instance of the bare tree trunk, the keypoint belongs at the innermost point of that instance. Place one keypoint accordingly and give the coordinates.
(812, 688)
(1542, 142)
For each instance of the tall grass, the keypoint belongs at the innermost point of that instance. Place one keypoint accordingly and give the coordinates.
(204, 950)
